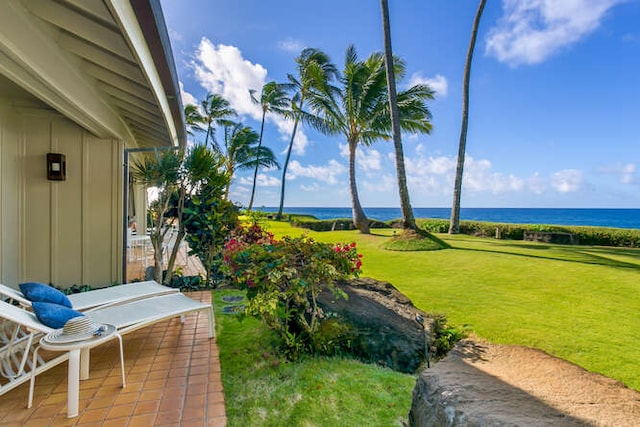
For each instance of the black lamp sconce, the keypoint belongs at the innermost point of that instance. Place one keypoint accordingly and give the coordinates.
(56, 167)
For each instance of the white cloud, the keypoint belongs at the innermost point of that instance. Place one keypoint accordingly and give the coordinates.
(291, 45)
(186, 97)
(383, 184)
(537, 184)
(174, 35)
(314, 187)
(326, 173)
(626, 173)
(262, 180)
(567, 181)
(437, 175)
(367, 159)
(532, 30)
(223, 70)
(438, 83)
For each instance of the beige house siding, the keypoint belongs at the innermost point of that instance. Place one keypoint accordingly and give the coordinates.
(59, 232)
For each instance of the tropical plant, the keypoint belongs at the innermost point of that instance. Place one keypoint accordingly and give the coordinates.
(273, 99)
(242, 151)
(161, 170)
(178, 176)
(315, 70)
(215, 111)
(408, 220)
(359, 111)
(283, 279)
(454, 226)
(209, 220)
(193, 119)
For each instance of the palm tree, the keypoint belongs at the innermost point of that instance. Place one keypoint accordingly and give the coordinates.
(193, 119)
(454, 225)
(274, 99)
(359, 111)
(215, 111)
(408, 221)
(315, 70)
(241, 151)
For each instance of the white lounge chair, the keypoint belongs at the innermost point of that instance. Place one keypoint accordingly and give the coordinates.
(112, 295)
(20, 346)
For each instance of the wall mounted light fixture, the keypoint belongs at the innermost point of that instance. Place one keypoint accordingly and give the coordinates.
(56, 167)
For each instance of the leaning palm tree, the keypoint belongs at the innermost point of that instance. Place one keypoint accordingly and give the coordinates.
(454, 225)
(215, 111)
(408, 221)
(241, 151)
(359, 111)
(273, 99)
(315, 70)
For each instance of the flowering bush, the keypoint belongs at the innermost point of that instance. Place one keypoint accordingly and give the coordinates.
(283, 279)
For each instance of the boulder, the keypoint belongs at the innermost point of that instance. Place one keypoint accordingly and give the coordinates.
(385, 322)
(453, 392)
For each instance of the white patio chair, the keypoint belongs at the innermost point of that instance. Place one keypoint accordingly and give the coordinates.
(101, 297)
(19, 346)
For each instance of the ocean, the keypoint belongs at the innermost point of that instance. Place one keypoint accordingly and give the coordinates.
(616, 218)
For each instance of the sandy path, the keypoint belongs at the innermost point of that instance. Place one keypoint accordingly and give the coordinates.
(563, 386)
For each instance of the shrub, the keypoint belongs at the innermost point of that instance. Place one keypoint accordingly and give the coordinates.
(283, 279)
(444, 336)
(311, 223)
(593, 236)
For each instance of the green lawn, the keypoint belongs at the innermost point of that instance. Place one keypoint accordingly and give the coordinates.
(262, 390)
(579, 303)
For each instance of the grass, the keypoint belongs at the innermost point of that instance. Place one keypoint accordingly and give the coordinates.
(576, 302)
(409, 240)
(263, 390)
(579, 303)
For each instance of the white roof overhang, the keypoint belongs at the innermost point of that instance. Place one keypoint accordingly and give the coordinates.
(105, 64)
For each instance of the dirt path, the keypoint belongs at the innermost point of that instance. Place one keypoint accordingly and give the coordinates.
(562, 386)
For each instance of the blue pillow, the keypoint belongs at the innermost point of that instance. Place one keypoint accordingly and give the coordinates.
(53, 315)
(39, 292)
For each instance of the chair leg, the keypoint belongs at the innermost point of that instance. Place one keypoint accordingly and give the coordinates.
(32, 381)
(124, 384)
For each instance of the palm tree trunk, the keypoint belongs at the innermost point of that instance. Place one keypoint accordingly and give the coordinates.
(454, 225)
(286, 165)
(408, 221)
(206, 138)
(255, 172)
(359, 218)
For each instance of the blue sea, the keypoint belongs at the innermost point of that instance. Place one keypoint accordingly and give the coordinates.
(616, 218)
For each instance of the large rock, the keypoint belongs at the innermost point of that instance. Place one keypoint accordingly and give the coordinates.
(455, 393)
(385, 320)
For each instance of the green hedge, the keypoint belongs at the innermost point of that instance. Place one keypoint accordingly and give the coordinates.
(596, 236)
(330, 224)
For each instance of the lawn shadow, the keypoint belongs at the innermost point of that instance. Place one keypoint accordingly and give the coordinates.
(577, 254)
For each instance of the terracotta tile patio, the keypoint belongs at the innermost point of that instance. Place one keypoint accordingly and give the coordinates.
(173, 379)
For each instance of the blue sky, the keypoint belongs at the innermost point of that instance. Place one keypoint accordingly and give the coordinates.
(554, 98)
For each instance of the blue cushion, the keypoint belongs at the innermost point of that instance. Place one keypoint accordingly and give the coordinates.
(39, 292)
(54, 315)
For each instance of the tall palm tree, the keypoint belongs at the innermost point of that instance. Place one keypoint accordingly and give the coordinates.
(315, 70)
(408, 221)
(215, 111)
(273, 99)
(359, 111)
(241, 151)
(454, 225)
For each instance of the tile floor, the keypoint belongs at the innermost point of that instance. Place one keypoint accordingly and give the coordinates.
(173, 379)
